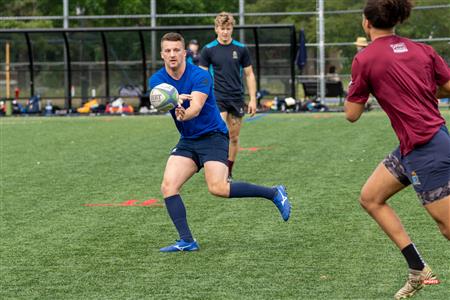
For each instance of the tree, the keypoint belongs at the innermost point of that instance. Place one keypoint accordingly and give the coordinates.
(339, 28)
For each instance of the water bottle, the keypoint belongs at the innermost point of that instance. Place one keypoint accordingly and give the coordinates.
(48, 108)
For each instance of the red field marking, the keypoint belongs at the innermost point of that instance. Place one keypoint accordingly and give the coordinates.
(254, 149)
(322, 116)
(106, 119)
(149, 202)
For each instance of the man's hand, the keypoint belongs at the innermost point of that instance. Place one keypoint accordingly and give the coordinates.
(197, 100)
(180, 113)
(184, 97)
(252, 107)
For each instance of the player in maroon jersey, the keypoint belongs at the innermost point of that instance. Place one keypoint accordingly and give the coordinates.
(406, 78)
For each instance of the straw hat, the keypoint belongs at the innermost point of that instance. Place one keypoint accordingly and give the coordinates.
(361, 41)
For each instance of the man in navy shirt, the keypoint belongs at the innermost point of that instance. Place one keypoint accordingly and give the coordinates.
(203, 143)
(227, 60)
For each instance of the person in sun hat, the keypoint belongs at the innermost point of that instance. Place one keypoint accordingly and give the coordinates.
(361, 43)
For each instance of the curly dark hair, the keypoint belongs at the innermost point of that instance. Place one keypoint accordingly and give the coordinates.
(385, 14)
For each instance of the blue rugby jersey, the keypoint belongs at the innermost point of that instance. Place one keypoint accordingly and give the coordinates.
(193, 79)
(226, 63)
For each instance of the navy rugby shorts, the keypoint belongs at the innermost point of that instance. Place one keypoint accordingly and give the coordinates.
(212, 146)
(427, 167)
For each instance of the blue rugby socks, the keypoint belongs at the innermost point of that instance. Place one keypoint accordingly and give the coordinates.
(177, 213)
(245, 190)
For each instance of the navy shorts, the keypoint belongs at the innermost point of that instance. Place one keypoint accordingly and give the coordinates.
(236, 108)
(209, 147)
(427, 167)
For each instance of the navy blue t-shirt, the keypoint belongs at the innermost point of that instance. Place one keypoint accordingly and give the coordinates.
(226, 63)
(193, 79)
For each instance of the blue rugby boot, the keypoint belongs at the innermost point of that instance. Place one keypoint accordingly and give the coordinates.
(282, 202)
(181, 245)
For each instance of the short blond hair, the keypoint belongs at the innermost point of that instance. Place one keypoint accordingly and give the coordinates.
(223, 19)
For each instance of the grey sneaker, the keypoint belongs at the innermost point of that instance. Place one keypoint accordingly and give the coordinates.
(416, 281)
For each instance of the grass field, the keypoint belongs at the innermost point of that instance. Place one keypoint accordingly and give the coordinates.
(67, 234)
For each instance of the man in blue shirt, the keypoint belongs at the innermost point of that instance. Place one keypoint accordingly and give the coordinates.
(227, 60)
(203, 143)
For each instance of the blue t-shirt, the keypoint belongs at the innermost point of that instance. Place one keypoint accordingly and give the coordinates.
(226, 63)
(193, 58)
(193, 79)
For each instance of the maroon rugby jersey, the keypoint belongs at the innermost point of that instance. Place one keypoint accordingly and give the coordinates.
(403, 76)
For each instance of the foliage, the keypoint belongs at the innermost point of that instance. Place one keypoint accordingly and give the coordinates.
(339, 28)
(344, 28)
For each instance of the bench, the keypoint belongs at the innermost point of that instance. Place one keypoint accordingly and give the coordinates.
(332, 89)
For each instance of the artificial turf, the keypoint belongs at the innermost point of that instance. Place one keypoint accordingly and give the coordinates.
(69, 230)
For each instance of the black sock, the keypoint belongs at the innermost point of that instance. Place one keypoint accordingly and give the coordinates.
(244, 189)
(413, 257)
(177, 213)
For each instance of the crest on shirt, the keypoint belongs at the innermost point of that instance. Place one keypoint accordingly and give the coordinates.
(399, 48)
(235, 55)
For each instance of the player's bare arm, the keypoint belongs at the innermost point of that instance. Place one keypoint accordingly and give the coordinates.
(353, 110)
(251, 84)
(443, 90)
(197, 100)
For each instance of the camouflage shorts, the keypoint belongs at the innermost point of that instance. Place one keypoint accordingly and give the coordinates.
(394, 164)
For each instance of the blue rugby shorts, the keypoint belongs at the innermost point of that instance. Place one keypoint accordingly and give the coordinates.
(209, 147)
(427, 167)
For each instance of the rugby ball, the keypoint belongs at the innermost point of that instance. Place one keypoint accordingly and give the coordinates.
(164, 97)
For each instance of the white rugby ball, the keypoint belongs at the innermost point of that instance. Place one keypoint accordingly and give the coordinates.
(164, 97)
